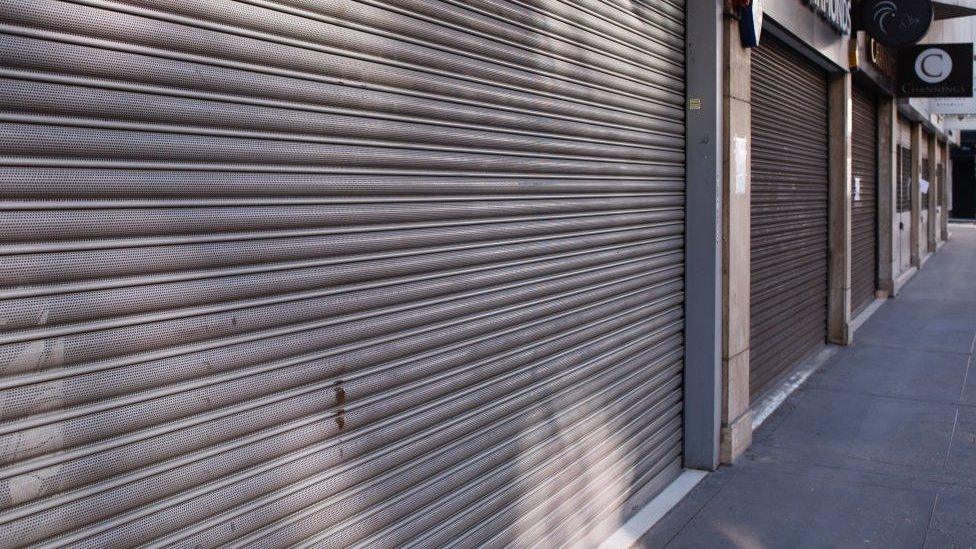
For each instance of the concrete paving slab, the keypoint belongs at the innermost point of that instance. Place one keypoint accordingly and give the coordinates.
(954, 520)
(969, 391)
(763, 510)
(832, 425)
(852, 469)
(924, 330)
(668, 528)
(884, 371)
(962, 453)
(768, 428)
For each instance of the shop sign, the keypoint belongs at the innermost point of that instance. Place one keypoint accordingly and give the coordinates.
(882, 58)
(936, 70)
(954, 105)
(897, 23)
(835, 12)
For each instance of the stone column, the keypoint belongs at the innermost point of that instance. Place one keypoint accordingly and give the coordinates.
(887, 194)
(736, 415)
(916, 231)
(933, 193)
(839, 266)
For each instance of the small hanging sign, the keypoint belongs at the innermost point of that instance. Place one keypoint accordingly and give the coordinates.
(936, 70)
(750, 23)
(896, 23)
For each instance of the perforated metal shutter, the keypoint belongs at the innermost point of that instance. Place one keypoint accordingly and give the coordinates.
(789, 212)
(904, 179)
(939, 189)
(864, 207)
(903, 217)
(940, 175)
(927, 175)
(926, 171)
(904, 166)
(380, 273)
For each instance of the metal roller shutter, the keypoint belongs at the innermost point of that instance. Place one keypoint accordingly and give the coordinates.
(927, 176)
(789, 212)
(377, 273)
(904, 205)
(940, 176)
(926, 173)
(939, 190)
(864, 207)
(905, 167)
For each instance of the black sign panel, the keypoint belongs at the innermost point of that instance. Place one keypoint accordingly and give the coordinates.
(936, 70)
(897, 23)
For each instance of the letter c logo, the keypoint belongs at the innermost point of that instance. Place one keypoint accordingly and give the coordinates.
(933, 65)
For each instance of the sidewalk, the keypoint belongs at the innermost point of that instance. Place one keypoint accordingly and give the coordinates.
(877, 449)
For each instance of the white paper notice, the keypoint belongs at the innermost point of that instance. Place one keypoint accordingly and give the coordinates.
(857, 189)
(740, 157)
(924, 186)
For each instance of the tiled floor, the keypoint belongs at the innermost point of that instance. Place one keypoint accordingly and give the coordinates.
(877, 449)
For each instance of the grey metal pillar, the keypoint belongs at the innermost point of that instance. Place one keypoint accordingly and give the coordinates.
(703, 263)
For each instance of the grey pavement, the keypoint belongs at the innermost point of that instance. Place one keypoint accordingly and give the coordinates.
(877, 449)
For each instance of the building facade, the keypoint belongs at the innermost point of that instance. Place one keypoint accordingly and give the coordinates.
(421, 273)
(843, 200)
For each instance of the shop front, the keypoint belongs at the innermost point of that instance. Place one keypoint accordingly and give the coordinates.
(339, 274)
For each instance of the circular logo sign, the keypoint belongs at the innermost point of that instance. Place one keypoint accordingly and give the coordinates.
(897, 23)
(933, 65)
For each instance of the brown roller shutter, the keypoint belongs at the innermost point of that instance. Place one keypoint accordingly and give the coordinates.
(905, 178)
(864, 206)
(926, 174)
(789, 211)
(940, 177)
(375, 274)
(903, 219)
(939, 189)
(940, 174)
